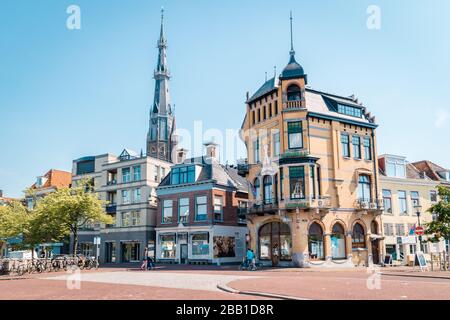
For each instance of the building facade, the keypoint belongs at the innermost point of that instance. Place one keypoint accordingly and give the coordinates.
(407, 195)
(199, 209)
(127, 183)
(313, 174)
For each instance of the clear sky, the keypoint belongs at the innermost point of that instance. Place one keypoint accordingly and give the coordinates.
(70, 93)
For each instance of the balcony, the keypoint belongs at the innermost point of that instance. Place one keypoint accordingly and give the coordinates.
(111, 208)
(369, 205)
(262, 207)
(295, 104)
(243, 168)
(323, 203)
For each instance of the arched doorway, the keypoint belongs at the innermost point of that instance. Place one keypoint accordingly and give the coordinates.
(375, 242)
(337, 242)
(275, 242)
(315, 242)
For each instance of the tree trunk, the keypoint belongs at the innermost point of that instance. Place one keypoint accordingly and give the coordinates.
(75, 242)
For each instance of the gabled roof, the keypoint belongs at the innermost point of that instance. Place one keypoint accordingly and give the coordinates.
(55, 178)
(431, 169)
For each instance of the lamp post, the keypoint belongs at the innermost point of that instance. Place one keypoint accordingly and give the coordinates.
(418, 211)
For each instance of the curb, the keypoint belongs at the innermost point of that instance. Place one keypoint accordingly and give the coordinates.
(228, 289)
(414, 276)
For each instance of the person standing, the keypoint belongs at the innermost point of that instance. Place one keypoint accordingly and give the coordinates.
(150, 263)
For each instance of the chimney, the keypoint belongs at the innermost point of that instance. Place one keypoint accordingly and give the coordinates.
(211, 150)
(181, 155)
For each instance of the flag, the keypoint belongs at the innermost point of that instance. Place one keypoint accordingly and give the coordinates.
(412, 231)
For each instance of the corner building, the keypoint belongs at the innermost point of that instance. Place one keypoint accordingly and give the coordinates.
(313, 175)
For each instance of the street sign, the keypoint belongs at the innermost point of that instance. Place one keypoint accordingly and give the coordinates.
(419, 231)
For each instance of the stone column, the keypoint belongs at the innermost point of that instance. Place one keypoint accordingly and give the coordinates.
(348, 246)
(300, 254)
(369, 250)
(327, 247)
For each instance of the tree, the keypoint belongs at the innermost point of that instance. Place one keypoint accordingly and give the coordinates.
(440, 226)
(14, 220)
(64, 212)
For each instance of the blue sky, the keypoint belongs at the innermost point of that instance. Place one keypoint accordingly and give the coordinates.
(69, 93)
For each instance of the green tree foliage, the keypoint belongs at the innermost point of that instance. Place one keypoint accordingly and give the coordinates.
(440, 227)
(65, 212)
(14, 220)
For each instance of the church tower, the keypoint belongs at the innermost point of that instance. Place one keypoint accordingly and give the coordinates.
(161, 139)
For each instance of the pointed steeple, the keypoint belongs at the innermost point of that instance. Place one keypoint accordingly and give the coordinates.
(293, 69)
(162, 122)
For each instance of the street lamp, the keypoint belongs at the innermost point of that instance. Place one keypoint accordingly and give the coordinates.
(418, 211)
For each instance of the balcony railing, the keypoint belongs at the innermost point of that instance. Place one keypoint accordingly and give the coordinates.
(363, 204)
(309, 203)
(260, 207)
(296, 104)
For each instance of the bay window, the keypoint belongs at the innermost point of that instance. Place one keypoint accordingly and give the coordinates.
(297, 182)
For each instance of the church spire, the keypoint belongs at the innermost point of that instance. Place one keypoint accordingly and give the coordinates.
(162, 122)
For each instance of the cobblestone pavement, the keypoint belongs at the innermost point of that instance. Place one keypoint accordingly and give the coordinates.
(200, 283)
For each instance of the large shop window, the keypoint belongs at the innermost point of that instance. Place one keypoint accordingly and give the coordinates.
(275, 239)
(358, 236)
(268, 198)
(130, 251)
(167, 211)
(201, 208)
(200, 244)
(294, 93)
(295, 137)
(338, 242)
(315, 242)
(168, 246)
(183, 208)
(297, 182)
(364, 188)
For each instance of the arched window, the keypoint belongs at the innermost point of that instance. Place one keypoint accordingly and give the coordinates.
(275, 238)
(364, 188)
(315, 242)
(338, 242)
(358, 236)
(257, 187)
(267, 182)
(294, 93)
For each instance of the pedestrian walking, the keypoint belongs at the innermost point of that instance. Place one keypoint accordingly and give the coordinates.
(150, 262)
(145, 260)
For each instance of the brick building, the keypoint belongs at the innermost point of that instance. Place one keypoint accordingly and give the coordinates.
(199, 210)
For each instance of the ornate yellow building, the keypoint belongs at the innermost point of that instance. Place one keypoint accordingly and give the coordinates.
(313, 175)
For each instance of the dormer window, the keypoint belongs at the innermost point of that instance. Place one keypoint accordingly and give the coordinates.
(396, 168)
(294, 93)
(183, 175)
(350, 111)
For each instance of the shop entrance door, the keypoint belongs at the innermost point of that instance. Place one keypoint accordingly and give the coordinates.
(375, 252)
(183, 253)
